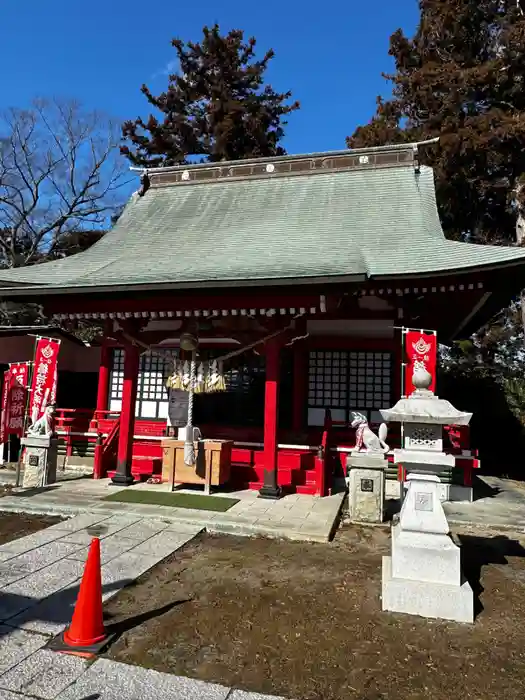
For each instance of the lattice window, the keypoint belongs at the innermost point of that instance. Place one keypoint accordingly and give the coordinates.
(243, 401)
(328, 379)
(370, 380)
(423, 437)
(347, 381)
(241, 404)
(117, 374)
(152, 377)
(152, 395)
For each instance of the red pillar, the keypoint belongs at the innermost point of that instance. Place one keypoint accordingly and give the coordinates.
(123, 476)
(102, 403)
(103, 378)
(300, 379)
(270, 488)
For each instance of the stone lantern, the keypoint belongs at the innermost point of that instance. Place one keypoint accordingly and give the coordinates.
(423, 576)
(423, 416)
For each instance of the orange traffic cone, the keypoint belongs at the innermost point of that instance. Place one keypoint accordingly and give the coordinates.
(86, 634)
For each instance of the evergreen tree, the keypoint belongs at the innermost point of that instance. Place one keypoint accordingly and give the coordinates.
(217, 106)
(462, 78)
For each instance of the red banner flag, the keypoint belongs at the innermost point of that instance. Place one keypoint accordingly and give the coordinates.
(4, 417)
(421, 351)
(14, 394)
(16, 401)
(44, 383)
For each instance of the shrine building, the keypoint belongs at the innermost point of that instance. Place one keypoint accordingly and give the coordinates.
(297, 271)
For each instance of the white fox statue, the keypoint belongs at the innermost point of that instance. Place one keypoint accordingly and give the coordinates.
(365, 439)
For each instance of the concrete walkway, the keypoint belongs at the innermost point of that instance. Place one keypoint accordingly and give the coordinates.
(40, 573)
(297, 517)
(39, 581)
(47, 675)
(498, 503)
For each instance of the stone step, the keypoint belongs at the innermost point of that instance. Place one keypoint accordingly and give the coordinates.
(76, 461)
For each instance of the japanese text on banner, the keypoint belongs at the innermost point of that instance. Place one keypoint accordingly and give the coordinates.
(4, 417)
(421, 351)
(17, 398)
(43, 385)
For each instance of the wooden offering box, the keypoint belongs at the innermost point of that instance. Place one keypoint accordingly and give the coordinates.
(211, 468)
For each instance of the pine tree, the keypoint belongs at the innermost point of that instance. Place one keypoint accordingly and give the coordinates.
(462, 78)
(216, 106)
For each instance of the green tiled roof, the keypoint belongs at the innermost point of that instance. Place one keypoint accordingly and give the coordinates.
(373, 222)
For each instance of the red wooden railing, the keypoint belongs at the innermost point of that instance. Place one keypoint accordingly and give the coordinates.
(106, 451)
(84, 420)
(307, 465)
(324, 461)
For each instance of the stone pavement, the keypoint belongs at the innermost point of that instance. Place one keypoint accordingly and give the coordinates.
(40, 574)
(297, 517)
(39, 580)
(498, 503)
(47, 675)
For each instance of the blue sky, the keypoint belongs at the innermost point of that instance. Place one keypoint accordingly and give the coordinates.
(329, 54)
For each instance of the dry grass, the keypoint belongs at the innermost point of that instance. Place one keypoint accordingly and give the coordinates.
(304, 621)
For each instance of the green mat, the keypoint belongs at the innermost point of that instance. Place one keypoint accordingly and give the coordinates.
(176, 500)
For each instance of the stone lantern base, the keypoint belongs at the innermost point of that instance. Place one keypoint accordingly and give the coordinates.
(426, 599)
(423, 576)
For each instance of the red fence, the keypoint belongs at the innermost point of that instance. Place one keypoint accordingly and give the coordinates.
(302, 468)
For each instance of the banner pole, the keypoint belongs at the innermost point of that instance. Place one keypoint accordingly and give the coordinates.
(30, 381)
(3, 416)
(30, 370)
(9, 437)
(403, 362)
(403, 387)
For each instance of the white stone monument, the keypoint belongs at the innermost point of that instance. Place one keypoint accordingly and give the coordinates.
(423, 575)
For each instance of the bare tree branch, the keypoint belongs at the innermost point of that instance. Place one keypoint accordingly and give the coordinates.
(60, 174)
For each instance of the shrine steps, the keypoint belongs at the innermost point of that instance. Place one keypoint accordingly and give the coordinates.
(306, 490)
(78, 455)
(295, 471)
(296, 475)
(292, 480)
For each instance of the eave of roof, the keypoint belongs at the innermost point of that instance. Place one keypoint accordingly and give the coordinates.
(334, 224)
(32, 290)
(54, 331)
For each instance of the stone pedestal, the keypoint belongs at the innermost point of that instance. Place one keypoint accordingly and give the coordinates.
(453, 493)
(423, 575)
(366, 487)
(40, 460)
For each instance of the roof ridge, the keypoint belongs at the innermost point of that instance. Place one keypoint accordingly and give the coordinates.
(389, 147)
(287, 166)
